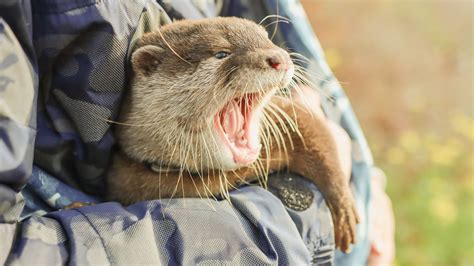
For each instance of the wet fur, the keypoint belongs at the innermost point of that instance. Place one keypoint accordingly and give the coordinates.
(166, 126)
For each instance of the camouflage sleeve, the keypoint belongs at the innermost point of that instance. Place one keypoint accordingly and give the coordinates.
(17, 119)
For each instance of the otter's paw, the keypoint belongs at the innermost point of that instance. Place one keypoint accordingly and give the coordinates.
(345, 219)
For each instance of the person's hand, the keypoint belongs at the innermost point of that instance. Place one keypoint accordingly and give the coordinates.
(382, 234)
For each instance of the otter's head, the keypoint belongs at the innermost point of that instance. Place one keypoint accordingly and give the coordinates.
(197, 93)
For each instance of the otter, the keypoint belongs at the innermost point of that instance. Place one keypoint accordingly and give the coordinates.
(207, 111)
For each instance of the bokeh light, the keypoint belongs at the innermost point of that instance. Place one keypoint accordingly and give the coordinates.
(407, 67)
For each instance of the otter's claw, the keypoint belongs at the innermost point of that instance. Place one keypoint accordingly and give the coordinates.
(345, 219)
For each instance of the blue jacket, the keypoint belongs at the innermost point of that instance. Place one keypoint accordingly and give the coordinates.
(62, 74)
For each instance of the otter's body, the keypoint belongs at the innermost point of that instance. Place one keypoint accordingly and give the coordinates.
(202, 116)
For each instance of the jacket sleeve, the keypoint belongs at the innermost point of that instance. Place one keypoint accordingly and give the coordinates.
(18, 86)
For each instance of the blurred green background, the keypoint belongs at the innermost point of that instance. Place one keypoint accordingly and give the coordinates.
(407, 67)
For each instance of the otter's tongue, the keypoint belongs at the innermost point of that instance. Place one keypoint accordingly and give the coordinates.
(234, 122)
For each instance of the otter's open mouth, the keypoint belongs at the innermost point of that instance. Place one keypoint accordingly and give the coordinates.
(237, 127)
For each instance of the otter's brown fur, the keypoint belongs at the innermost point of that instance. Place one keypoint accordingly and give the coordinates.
(177, 58)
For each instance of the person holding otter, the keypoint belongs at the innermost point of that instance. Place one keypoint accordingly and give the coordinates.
(81, 60)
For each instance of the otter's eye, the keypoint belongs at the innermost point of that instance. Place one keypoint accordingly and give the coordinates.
(221, 55)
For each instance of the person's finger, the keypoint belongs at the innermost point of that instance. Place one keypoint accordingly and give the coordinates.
(383, 232)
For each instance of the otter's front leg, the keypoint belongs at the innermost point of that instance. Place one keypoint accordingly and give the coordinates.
(315, 156)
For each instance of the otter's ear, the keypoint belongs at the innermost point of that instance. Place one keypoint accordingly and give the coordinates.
(146, 59)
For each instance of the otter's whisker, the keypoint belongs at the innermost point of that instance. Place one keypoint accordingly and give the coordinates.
(277, 133)
(291, 122)
(171, 48)
(274, 22)
(277, 128)
(261, 177)
(240, 178)
(300, 76)
(206, 188)
(277, 17)
(266, 140)
(274, 16)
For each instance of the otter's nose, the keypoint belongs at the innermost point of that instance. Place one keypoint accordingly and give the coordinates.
(274, 62)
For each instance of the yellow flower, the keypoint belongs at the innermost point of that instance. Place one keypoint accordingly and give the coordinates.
(437, 184)
(395, 155)
(445, 153)
(410, 141)
(444, 156)
(444, 209)
(430, 139)
(468, 182)
(464, 125)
